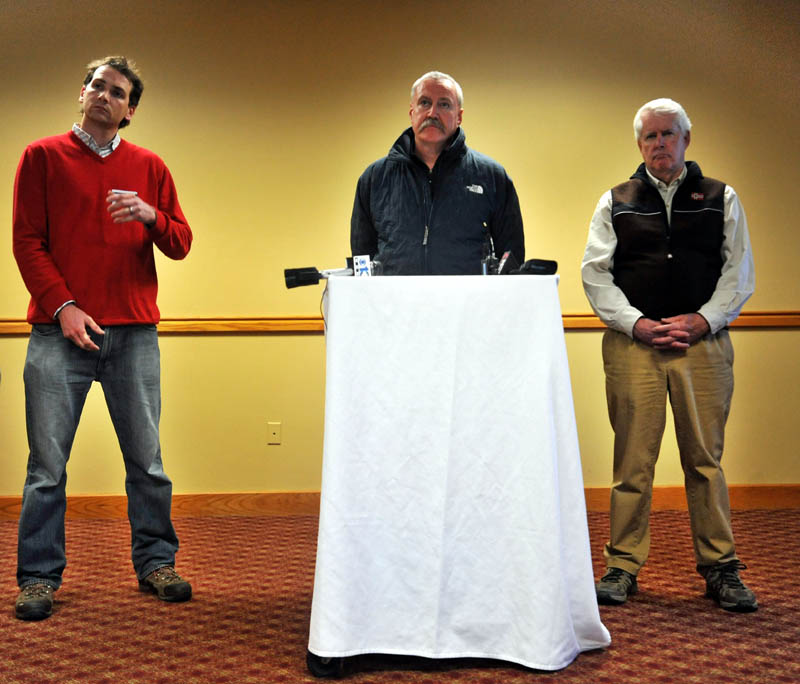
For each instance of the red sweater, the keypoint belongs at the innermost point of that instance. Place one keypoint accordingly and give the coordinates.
(66, 244)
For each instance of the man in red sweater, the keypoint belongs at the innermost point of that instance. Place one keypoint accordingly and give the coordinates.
(88, 208)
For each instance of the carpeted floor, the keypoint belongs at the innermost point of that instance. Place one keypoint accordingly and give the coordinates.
(248, 620)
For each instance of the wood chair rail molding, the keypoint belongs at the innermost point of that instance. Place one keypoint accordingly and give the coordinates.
(315, 324)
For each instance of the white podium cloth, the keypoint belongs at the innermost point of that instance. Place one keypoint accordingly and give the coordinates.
(452, 518)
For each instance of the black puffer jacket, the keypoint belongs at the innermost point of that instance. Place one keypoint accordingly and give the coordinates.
(419, 222)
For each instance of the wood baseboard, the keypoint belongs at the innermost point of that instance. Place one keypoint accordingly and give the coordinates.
(183, 505)
(743, 497)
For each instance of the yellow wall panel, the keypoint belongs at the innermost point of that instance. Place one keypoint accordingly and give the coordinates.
(266, 113)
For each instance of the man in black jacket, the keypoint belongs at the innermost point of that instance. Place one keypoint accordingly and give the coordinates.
(434, 206)
(667, 267)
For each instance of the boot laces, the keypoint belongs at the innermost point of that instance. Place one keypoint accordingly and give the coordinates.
(727, 575)
(615, 576)
(37, 590)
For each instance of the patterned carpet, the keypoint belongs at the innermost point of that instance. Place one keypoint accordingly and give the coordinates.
(248, 620)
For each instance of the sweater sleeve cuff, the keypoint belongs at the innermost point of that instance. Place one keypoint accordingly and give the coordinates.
(159, 226)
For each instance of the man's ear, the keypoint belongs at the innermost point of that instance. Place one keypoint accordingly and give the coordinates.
(129, 115)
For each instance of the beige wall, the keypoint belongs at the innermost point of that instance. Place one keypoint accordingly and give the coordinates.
(266, 112)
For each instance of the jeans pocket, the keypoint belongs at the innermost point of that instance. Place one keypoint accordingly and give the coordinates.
(45, 329)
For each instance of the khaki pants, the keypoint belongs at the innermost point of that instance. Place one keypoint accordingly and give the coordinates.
(699, 384)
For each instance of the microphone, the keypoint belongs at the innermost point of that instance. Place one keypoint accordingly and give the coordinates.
(489, 260)
(309, 275)
(507, 264)
(333, 272)
(296, 277)
(537, 267)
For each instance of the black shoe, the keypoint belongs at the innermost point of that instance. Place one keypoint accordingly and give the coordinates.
(35, 602)
(167, 584)
(615, 587)
(332, 668)
(727, 589)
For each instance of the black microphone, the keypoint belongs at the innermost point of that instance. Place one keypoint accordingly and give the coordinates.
(537, 267)
(507, 264)
(296, 277)
(488, 260)
(309, 275)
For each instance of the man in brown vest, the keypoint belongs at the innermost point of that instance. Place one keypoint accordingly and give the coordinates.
(667, 267)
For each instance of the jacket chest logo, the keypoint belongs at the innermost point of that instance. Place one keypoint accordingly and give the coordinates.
(697, 196)
(477, 189)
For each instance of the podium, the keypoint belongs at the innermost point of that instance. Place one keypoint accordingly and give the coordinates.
(452, 517)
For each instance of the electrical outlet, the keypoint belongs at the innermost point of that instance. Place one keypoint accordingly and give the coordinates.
(273, 432)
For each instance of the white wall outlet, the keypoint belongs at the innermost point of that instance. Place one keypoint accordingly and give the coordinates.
(273, 432)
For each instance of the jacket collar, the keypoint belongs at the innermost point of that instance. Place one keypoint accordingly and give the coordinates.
(403, 148)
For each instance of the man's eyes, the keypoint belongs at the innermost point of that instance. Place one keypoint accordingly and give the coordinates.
(664, 134)
(444, 104)
(99, 86)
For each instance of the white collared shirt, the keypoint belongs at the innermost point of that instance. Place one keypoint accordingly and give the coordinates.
(90, 142)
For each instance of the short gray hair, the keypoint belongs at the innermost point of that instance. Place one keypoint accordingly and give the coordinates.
(662, 105)
(438, 76)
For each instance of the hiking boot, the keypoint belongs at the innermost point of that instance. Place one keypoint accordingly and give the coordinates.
(727, 589)
(615, 587)
(167, 584)
(35, 602)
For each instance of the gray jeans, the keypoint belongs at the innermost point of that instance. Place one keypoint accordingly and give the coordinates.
(57, 377)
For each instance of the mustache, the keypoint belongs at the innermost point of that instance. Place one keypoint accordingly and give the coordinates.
(432, 122)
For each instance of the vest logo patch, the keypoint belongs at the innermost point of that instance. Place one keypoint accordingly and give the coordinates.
(697, 196)
(477, 189)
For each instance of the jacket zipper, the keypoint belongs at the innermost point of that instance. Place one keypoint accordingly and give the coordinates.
(429, 203)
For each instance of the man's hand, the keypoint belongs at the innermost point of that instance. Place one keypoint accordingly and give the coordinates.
(675, 332)
(128, 206)
(649, 332)
(687, 327)
(73, 323)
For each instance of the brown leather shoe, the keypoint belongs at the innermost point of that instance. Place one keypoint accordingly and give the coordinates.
(35, 602)
(167, 584)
